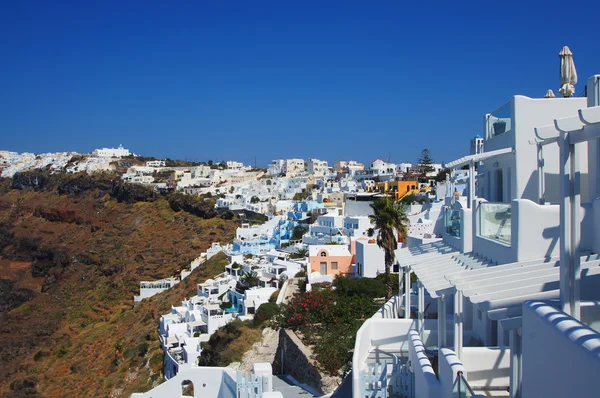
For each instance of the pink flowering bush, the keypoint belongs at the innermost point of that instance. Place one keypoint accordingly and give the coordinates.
(328, 321)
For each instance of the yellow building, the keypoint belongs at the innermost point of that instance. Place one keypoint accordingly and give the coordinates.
(399, 188)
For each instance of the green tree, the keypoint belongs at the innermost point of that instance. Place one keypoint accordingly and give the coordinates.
(298, 231)
(392, 222)
(250, 279)
(300, 253)
(441, 175)
(425, 161)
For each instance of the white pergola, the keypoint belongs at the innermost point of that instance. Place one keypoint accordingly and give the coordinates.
(568, 132)
(497, 290)
(432, 262)
(500, 291)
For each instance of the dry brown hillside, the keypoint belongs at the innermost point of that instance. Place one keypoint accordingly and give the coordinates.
(69, 266)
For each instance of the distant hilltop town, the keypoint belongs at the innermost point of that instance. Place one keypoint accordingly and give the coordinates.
(70, 162)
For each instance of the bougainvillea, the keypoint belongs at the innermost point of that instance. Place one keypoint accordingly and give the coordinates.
(329, 322)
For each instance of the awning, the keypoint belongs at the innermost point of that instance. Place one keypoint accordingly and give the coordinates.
(476, 158)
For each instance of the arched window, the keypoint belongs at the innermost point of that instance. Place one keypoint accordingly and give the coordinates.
(323, 254)
(187, 388)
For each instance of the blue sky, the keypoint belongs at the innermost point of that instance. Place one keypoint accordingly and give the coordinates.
(238, 79)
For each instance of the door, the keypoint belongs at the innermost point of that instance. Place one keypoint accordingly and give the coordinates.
(323, 269)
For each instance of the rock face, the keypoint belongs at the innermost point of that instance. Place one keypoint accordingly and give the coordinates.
(295, 359)
(12, 296)
(263, 351)
(29, 180)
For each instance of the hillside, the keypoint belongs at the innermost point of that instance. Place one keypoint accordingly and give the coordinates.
(70, 264)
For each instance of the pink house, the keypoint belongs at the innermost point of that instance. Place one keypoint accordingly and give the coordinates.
(330, 259)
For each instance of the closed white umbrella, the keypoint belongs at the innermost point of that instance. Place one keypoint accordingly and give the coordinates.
(549, 94)
(568, 74)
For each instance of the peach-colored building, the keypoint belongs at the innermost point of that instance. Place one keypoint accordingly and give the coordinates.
(330, 259)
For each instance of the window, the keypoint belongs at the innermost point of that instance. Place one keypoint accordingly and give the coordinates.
(323, 254)
(334, 265)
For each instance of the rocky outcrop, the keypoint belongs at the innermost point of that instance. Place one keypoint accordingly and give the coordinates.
(12, 296)
(35, 179)
(131, 193)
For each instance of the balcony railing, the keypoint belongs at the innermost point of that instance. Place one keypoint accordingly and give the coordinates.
(498, 122)
(462, 389)
(495, 222)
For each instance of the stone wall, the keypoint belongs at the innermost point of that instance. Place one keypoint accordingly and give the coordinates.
(295, 359)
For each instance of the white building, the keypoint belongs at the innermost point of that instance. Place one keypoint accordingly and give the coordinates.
(248, 301)
(293, 167)
(476, 145)
(317, 167)
(155, 163)
(151, 288)
(513, 286)
(232, 164)
(111, 152)
(276, 167)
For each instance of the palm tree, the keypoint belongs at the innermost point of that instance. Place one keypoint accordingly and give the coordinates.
(250, 279)
(392, 222)
(300, 253)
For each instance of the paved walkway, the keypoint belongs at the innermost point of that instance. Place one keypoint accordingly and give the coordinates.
(288, 389)
(291, 289)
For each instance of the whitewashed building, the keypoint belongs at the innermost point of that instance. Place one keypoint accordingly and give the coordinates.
(317, 167)
(513, 286)
(112, 152)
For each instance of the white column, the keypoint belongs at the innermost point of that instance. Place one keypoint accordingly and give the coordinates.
(575, 269)
(407, 293)
(400, 293)
(458, 323)
(565, 222)
(541, 177)
(515, 363)
(421, 310)
(441, 322)
(452, 185)
(471, 184)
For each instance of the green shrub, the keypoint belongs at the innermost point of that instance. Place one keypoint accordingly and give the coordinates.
(139, 350)
(264, 313)
(274, 296)
(61, 352)
(300, 274)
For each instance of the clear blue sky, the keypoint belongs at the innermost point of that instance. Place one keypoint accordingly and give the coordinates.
(239, 79)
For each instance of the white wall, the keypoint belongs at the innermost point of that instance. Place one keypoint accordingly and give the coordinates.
(370, 257)
(596, 226)
(535, 230)
(487, 366)
(426, 383)
(377, 331)
(561, 356)
(448, 367)
(208, 382)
